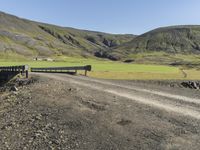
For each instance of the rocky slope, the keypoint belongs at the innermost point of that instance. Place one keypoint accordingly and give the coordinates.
(171, 40)
(21, 37)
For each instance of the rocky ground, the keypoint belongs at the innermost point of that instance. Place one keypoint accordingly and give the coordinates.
(48, 113)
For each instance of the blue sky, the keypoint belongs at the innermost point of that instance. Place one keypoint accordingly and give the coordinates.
(113, 16)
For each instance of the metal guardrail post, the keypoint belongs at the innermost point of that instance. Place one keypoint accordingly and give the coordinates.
(26, 73)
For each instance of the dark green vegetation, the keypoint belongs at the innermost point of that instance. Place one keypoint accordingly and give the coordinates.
(21, 39)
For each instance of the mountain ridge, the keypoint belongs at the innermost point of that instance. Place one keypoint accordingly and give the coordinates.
(170, 41)
(41, 39)
(22, 38)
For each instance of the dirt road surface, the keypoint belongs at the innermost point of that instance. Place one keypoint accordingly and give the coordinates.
(61, 111)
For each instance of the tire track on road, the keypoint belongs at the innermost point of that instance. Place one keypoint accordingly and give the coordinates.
(183, 110)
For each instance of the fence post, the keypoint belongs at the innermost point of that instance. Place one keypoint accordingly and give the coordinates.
(26, 73)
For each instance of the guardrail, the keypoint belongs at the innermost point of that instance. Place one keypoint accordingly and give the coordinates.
(18, 69)
(62, 69)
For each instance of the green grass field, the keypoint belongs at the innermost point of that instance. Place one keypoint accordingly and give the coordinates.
(115, 70)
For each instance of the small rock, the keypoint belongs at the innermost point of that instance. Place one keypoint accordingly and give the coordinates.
(38, 117)
(124, 122)
(15, 93)
(14, 88)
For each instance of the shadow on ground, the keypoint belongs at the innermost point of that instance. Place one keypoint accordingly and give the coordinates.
(6, 76)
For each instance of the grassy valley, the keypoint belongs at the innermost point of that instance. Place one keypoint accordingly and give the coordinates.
(118, 70)
(169, 50)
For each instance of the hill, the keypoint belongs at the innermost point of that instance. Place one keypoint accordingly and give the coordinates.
(24, 39)
(21, 38)
(167, 44)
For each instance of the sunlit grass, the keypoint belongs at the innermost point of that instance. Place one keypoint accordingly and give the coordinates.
(135, 75)
(115, 70)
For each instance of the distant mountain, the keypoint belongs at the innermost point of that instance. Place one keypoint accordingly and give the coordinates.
(21, 37)
(183, 40)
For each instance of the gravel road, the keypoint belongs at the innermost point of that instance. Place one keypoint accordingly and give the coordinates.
(88, 113)
(175, 103)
